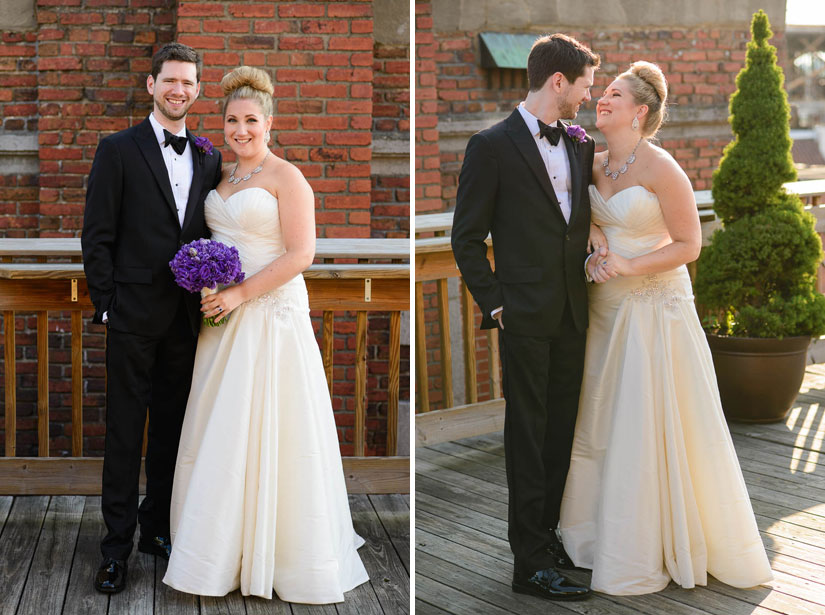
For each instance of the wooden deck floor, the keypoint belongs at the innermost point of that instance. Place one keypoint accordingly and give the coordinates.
(50, 550)
(464, 564)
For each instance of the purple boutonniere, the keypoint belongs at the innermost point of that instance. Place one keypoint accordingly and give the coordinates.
(576, 133)
(205, 145)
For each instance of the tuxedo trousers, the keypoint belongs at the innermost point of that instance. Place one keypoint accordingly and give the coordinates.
(541, 383)
(152, 373)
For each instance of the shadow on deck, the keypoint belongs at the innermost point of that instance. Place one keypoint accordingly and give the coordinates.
(50, 550)
(464, 563)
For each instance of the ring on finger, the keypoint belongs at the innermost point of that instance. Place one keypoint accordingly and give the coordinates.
(220, 309)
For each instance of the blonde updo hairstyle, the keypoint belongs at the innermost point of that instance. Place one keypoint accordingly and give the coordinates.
(248, 83)
(648, 86)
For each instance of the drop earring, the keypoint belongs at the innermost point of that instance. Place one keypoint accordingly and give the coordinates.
(635, 124)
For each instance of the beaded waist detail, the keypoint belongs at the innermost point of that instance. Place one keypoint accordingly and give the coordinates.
(287, 299)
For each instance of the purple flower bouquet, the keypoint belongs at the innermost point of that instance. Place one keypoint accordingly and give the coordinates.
(201, 265)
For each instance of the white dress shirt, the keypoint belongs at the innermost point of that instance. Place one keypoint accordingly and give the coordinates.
(179, 167)
(557, 165)
(555, 161)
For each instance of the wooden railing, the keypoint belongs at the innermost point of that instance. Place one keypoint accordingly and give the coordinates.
(434, 263)
(54, 281)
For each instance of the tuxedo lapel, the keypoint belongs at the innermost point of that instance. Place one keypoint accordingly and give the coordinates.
(526, 145)
(197, 179)
(149, 147)
(575, 173)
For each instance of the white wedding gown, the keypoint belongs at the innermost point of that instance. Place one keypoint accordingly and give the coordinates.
(654, 491)
(259, 499)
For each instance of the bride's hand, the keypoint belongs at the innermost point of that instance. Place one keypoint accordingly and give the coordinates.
(596, 239)
(613, 265)
(222, 303)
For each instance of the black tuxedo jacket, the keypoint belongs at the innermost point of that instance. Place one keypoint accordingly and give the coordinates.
(504, 189)
(131, 231)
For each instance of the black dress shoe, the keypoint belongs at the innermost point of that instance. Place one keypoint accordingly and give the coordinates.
(111, 576)
(556, 549)
(549, 584)
(156, 545)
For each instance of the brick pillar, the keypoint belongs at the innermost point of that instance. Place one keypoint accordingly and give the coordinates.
(427, 164)
(18, 135)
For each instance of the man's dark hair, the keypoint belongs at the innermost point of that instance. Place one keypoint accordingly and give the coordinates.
(558, 53)
(177, 52)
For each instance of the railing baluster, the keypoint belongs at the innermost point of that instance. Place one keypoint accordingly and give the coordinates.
(11, 385)
(360, 381)
(444, 340)
(470, 378)
(394, 384)
(328, 348)
(43, 384)
(77, 383)
(495, 361)
(421, 351)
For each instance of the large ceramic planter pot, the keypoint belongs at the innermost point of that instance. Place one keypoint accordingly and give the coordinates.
(758, 378)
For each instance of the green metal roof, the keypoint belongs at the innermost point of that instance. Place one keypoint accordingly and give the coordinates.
(505, 50)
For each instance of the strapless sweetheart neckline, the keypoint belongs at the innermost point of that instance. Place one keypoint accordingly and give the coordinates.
(226, 200)
(615, 194)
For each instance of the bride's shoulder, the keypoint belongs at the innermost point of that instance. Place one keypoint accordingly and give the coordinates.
(662, 169)
(283, 177)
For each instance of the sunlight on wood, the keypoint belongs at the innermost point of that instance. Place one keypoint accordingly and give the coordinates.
(816, 446)
(800, 448)
(793, 416)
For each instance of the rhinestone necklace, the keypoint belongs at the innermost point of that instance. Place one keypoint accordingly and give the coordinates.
(237, 180)
(614, 175)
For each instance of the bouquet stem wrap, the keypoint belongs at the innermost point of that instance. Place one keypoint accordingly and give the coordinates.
(201, 265)
(210, 320)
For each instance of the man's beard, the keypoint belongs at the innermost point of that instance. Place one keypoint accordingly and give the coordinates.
(567, 110)
(169, 114)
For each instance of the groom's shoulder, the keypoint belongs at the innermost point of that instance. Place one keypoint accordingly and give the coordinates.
(120, 137)
(494, 132)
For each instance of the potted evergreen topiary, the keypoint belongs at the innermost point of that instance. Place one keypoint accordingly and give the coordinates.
(757, 277)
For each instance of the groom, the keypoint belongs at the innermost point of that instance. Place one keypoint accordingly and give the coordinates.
(144, 200)
(525, 181)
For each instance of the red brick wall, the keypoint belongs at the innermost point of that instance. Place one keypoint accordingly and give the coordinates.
(85, 79)
(18, 116)
(391, 118)
(427, 173)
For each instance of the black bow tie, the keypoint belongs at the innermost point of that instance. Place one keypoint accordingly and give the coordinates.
(551, 133)
(178, 143)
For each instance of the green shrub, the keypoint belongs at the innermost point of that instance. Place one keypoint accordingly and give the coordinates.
(758, 275)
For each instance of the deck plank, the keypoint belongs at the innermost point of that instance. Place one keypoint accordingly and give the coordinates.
(50, 552)
(5, 506)
(260, 606)
(49, 574)
(169, 601)
(461, 512)
(388, 576)
(80, 595)
(394, 512)
(231, 604)
(139, 596)
(20, 534)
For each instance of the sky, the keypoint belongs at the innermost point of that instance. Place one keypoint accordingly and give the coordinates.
(805, 12)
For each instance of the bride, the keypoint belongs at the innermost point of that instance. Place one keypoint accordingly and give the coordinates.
(259, 500)
(654, 490)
